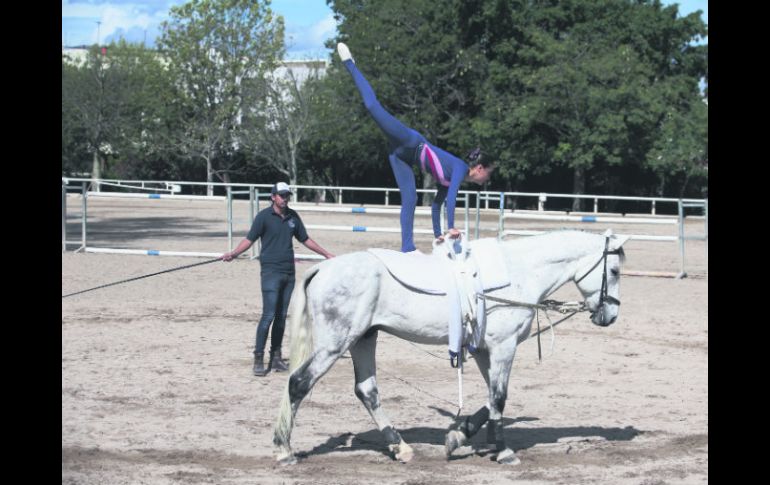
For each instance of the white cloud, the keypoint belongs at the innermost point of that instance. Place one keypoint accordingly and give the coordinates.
(303, 40)
(126, 17)
(324, 29)
(115, 18)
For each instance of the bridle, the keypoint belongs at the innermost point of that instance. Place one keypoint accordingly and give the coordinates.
(603, 296)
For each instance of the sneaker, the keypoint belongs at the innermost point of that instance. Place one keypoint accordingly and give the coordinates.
(344, 52)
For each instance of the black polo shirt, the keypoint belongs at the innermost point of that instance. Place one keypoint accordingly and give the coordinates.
(277, 253)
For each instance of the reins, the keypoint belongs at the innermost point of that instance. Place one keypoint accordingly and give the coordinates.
(571, 307)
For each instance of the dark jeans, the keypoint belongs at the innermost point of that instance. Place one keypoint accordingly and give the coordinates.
(276, 293)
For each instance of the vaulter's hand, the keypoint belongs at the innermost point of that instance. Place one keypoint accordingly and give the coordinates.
(453, 233)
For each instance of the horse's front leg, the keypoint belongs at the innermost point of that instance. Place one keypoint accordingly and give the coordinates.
(470, 425)
(363, 355)
(499, 372)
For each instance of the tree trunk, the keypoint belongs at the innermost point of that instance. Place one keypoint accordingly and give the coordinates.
(684, 184)
(292, 164)
(209, 177)
(578, 187)
(96, 171)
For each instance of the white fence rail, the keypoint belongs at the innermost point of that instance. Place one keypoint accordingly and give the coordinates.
(255, 192)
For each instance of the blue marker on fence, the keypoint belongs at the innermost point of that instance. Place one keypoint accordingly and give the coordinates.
(153, 252)
(359, 210)
(588, 219)
(154, 196)
(359, 228)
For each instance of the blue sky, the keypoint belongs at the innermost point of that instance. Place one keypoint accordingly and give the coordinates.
(308, 22)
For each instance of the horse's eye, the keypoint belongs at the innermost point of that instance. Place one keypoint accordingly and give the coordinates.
(615, 272)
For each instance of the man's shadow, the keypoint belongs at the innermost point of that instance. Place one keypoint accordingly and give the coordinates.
(516, 438)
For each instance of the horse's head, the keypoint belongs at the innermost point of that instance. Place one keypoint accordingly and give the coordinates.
(599, 279)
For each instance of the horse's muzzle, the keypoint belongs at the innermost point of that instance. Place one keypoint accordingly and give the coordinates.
(599, 318)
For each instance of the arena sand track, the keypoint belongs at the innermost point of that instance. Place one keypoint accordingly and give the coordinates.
(157, 385)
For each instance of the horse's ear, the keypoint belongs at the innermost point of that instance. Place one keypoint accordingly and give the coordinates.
(617, 241)
(607, 233)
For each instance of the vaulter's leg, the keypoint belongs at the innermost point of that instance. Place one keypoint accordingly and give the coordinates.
(363, 354)
(408, 190)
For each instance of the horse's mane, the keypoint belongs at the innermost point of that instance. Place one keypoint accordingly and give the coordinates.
(525, 243)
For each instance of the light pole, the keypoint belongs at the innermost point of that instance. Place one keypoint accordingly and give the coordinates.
(98, 25)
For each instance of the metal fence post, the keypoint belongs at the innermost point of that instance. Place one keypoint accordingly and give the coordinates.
(387, 198)
(259, 241)
(682, 273)
(596, 206)
(251, 215)
(653, 207)
(706, 228)
(229, 218)
(541, 202)
(502, 216)
(467, 214)
(478, 214)
(63, 219)
(83, 218)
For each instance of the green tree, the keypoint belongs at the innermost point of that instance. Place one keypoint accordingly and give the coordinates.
(90, 109)
(75, 150)
(679, 155)
(409, 51)
(219, 52)
(585, 85)
(281, 120)
(149, 118)
(572, 92)
(119, 108)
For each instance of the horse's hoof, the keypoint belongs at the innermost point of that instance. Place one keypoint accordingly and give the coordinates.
(454, 440)
(286, 458)
(508, 457)
(405, 456)
(402, 452)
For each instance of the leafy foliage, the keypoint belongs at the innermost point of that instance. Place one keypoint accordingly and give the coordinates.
(594, 96)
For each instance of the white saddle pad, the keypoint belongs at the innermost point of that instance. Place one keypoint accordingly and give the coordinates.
(415, 270)
(490, 263)
(431, 274)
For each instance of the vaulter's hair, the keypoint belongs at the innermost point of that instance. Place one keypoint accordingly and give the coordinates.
(475, 157)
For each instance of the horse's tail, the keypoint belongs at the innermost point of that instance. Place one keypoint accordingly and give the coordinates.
(301, 331)
(300, 327)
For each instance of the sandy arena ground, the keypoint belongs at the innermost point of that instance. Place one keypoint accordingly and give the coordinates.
(157, 385)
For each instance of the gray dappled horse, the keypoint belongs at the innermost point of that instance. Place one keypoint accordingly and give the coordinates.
(341, 304)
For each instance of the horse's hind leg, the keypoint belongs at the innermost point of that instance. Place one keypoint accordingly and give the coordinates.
(363, 354)
(301, 381)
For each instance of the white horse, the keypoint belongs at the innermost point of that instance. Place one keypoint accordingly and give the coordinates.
(342, 304)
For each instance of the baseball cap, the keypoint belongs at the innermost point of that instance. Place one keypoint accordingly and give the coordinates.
(280, 188)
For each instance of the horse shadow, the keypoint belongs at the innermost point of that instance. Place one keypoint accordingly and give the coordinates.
(516, 438)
